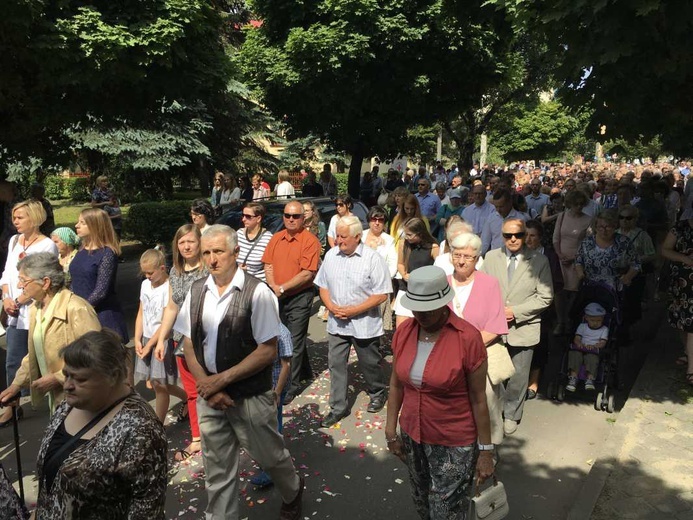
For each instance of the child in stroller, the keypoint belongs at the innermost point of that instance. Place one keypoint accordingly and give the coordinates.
(590, 336)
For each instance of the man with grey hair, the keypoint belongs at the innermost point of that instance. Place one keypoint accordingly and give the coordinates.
(230, 323)
(353, 281)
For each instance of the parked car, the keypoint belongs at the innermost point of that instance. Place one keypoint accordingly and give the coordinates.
(274, 222)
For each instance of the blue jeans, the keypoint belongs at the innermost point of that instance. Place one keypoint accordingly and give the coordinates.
(17, 348)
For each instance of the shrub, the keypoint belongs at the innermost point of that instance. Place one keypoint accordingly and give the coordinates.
(54, 187)
(78, 189)
(156, 222)
(342, 182)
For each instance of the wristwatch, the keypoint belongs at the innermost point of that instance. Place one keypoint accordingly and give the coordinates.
(486, 447)
(281, 290)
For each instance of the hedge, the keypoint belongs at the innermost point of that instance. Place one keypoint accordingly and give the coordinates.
(74, 188)
(342, 182)
(156, 222)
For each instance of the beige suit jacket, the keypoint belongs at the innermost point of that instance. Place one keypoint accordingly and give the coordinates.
(72, 318)
(528, 295)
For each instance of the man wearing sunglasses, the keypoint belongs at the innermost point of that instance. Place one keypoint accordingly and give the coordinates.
(291, 261)
(525, 279)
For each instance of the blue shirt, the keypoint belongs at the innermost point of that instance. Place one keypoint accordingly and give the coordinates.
(429, 203)
(535, 204)
(285, 350)
(351, 280)
(477, 215)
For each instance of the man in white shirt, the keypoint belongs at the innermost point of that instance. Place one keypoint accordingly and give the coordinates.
(230, 323)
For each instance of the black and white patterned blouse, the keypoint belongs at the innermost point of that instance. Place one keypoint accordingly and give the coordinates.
(120, 473)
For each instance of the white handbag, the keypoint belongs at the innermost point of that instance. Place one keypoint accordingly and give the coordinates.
(491, 503)
(500, 366)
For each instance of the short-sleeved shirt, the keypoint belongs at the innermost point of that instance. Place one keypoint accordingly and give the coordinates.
(591, 337)
(285, 350)
(264, 318)
(153, 301)
(289, 255)
(429, 203)
(351, 280)
(440, 411)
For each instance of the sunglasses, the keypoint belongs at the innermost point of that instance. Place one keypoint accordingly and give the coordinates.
(294, 216)
(508, 236)
(245, 215)
(377, 219)
(422, 185)
(623, 217)
(340, 204)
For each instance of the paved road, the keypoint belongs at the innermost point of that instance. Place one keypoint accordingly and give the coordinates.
(350, 475)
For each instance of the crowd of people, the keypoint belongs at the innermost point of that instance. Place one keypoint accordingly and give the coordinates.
(462, 278)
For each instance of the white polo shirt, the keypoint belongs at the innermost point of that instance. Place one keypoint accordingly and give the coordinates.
(264, 319)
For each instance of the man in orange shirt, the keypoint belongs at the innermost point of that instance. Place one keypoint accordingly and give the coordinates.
(291, 261)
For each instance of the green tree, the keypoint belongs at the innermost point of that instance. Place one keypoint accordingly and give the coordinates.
(540, 131)
(363, 75)
(143, 86)
(627, 60)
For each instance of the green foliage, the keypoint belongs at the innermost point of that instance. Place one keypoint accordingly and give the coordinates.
(540, 132)
(627, 60)
(342, 182)
(156, 222)
(73, 188)
(635, 149)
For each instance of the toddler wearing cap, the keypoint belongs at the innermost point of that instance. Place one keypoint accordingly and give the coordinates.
(590, 336)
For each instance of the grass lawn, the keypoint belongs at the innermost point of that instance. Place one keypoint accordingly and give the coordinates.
(67, 212)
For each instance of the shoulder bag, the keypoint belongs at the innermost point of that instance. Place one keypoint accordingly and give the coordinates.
(500, 366)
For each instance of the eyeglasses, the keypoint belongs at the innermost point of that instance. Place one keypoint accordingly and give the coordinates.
(340, 204)
(377, 219)
(466, 258)
(508, 236)
(422, 184)
(623, 217)
(23, 282)
(294, 216)
(245, 215)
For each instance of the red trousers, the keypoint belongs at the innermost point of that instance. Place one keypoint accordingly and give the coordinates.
(190, 387)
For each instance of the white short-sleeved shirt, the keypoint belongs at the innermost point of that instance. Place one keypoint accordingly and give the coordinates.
(154, 301)
(264, 318)
(591, 337)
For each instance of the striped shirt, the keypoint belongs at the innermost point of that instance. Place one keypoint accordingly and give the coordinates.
(351, 280)
(251, 256)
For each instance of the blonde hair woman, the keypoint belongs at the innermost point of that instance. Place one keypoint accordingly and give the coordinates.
(27, 217)
(95, 266)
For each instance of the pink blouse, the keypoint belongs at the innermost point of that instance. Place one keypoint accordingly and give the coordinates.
(484, 309)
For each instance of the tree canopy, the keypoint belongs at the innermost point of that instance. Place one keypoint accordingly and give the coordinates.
(628, 61)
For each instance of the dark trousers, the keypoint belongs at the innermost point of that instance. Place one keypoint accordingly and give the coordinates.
(294, 312)
(369, 362)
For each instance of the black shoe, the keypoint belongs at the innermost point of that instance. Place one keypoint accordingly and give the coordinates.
(376, 404)
(331, 419)
(292, 511)
(288, 398)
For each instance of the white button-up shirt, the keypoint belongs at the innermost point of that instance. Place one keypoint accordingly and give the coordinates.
(264, 319)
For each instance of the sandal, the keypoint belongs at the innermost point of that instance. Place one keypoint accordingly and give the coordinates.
(682, 360)
(186, 453)
(182, 413)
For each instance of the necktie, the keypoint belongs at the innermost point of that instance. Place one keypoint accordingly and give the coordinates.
(511, 267)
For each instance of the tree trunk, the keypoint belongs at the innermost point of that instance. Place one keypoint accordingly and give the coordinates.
(354, 185)
(204, 177)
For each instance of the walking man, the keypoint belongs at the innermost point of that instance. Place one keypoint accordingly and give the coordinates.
(230, 323)
(525, 279)
(354, 281)
(291, 261)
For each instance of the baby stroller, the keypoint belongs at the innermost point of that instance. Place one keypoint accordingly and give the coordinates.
(606, 378)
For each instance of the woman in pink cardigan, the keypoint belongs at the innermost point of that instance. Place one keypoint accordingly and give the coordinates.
(479, 301)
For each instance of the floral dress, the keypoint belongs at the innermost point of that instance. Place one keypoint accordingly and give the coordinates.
(606, 265)
(681, 288)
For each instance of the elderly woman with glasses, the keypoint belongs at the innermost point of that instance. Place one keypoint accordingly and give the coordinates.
(439, 365)
(252, 240)
(478, 299)
(606, 257)
(644, 248)
(57, 317)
